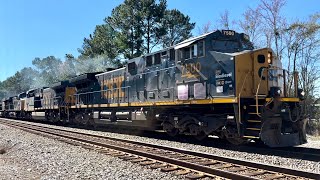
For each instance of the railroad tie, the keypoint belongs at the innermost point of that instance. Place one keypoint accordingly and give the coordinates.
(182, 172)
(237, 169)
(159, 165)
(255, 173)
(146, 163)
(275, 176)
(195, 175)
(208, 163)
(140, 159)
(170, 168)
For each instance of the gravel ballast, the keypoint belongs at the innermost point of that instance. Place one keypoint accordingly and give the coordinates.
(29, 156)
(291, 163)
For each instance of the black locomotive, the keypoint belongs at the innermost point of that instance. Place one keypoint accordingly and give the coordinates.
(213, 84)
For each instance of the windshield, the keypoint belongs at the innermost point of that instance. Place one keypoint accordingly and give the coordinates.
(246, 45)
(226, 46)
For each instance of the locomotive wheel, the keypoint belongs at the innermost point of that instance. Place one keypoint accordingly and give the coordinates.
(85, 118)
(93, 125)
(173, 132)
(51, 118)
(194, 129)
(77, 119)
(55, 118)
(201, 136)
(237, 141)
(170, 129)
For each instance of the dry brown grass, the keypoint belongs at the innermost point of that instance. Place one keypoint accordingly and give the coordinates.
(313, 127)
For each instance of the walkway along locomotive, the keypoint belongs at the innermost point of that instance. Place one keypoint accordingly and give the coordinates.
(213, 84)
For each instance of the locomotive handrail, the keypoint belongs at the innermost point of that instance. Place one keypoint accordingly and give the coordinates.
(239, 103)
(257, 93)
(86, 94)
(148, 72)
(78, 95)
(51, 103)
(100, 91)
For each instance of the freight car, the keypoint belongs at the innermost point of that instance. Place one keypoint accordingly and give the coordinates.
(213, 84)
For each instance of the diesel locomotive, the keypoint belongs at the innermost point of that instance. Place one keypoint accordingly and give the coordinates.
(213, 84)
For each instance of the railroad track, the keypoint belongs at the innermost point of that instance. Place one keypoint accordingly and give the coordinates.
(186, 163)
(301, 153)
(309, 154)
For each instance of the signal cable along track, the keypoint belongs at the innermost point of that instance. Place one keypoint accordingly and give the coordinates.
(182, 162)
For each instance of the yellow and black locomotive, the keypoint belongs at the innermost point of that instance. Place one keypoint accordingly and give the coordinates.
(213, 84)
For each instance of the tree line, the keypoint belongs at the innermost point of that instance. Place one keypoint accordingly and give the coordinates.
(136, 27)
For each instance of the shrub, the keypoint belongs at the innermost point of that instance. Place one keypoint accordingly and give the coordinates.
(313, 127)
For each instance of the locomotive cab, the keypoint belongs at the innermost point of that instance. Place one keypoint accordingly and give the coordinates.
(265, 110)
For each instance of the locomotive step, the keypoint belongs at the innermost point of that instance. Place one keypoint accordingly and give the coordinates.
(261, 95)
(252, 133)
(253, 126)
(253, 129)
(254, 121)
(251, 137)
(255, 113)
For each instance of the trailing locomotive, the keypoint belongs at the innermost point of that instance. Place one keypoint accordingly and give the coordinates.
(213, 84)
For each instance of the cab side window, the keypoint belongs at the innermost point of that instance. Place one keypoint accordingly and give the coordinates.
(172, 54)
(149, 61)
(201, 49)
(193, 51)
(157, 58)
(187, 53)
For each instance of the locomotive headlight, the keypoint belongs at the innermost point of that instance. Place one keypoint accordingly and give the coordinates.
(269, 58)
(301, 94)
(278, 91)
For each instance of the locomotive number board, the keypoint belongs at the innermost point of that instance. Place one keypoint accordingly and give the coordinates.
(228, 32)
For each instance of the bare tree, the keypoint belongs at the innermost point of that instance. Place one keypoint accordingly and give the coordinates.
(301, 44)
(251, 25)
(270, 12)
(264, 24)
(224, 21)
(205, 28)
(293, 40)
(308, 68)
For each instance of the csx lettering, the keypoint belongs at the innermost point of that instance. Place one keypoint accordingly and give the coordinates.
(190, 70)
(113, 88)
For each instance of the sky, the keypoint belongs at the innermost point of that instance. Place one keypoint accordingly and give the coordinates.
(41, 28)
